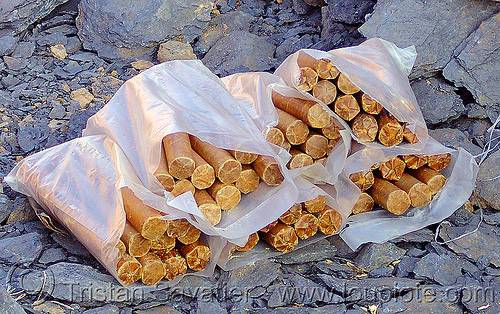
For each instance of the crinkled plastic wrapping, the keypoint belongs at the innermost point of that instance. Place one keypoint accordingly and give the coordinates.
(380, 69)
(184, 96)
(342, 203)
(379, 225)
(78, 183)
(253, 91)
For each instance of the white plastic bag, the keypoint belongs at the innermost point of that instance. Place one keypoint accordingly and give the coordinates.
(378, 68)
(78, 183)
(253, 91)
(380, 225)
(308, 191)
(184, 96)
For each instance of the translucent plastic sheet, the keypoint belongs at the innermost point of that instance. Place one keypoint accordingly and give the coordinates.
(253, 91)
(78, 183)
(184, 96)
(340, 202)
(378, 68)
(379, 226)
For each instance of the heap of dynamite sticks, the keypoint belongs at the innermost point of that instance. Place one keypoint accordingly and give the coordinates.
(305, 129)
(369, 121)
(153, 248)
(401, 182)
(301, 221)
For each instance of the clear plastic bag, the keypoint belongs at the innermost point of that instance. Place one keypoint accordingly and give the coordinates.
(184, 96)
(340, 202)
(78, 184)
(253, 91)
(378, 68)
(380, 225)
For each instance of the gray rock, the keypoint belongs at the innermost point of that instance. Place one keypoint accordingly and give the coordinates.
(24, 49)
(209, 308)
(240, 52)
(74, 44)
(335, 269)
(194, 287)
(481, 298)
(162, 309)
(475, 67)
(488, 181)
(455, 138)
(406, 266)
(475, 111)
(71, 245)
(348, 11)
(409, 22)
(420, 236)
(57, 112)
(17, 15)
(107, 309)
(261, 274)
(332, 308)
(381, 272)
(301, 7)
(437, 100)
(132, 32)
(31, 137)
(441, 269)
(220, 26)
(7, 304)
(315, 252)
(7, 44)
(484, 241)
(23, 249)
(493, 219)
(52, 255)
(377, 255)
(14, 64)
(6, 207)
(292, 44)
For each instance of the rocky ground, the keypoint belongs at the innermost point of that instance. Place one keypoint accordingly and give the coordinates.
(60, 65)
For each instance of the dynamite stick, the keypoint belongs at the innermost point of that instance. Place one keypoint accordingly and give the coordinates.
(299, 159)
(315, 146)
(308, 78)
(208, 206)
(192, 235)
(345, 85)
(163, 243)
(153, 269)
(175, 264)
(248, 181)
(275, 136)
(227, 196)
(243, 157)
(282, 237)
(162, 174)
(315, 205)
(286, 146)
(292, 215)
(295, 130)
(408, 135)
(203, 175)
(253, 239)
(331, 131)
(129, 269)
(363, 204)
(389, 196)
(323, 67)
(311, 112)
(178, 153)
(269, 227)
(268, 170)
(346, 107)
(365, 127)
(136, 244)
(325, 91)
(306, 226)
(414, 161)
(145, 219)
(177, 228)
(392, 169)
(183, 186)
(390, 131)
(369, 105)
(439, 162)
(429, 176)
(329, 221)
(321, 161)
(331, 146)
(420, 194)
(363, 179)
(227, 169)
(196, 254)
(121, 248)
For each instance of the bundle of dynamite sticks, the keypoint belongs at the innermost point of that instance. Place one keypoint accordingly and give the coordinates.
(301, 221)
(401, 182)
(153, 248)
(305, 129)
(369, 121)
